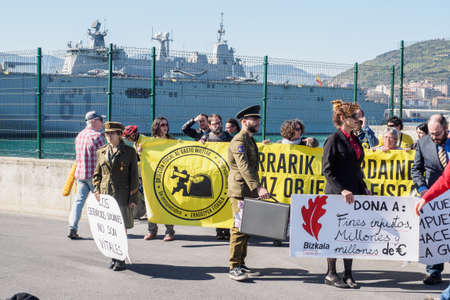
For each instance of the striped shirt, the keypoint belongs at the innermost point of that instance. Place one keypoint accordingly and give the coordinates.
(86, 144)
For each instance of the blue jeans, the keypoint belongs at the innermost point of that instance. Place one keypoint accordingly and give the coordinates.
(84, 186)
(446, 294)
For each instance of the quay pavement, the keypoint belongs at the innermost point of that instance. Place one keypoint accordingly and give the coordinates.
(37, 257)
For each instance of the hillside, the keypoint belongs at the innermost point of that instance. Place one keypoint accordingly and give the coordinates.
(428, 60)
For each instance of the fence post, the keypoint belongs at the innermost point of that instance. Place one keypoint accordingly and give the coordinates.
(152, 90)
(264, 102)
(391, 101)
(402, 50)
(39, 103)
(355, 83)
(110, 75)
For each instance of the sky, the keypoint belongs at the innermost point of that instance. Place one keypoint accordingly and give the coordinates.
(320, 30)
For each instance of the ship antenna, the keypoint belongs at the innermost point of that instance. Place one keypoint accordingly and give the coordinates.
(221, 31)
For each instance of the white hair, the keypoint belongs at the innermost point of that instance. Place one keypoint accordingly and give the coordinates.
(89, 123)
(391, 130)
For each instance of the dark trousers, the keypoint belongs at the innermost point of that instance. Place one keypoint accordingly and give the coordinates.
(435, 270)
(153, 228)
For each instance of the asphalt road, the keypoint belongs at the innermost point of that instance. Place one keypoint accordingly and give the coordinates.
(37, 257)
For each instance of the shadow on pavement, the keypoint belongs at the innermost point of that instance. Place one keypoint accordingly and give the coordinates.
(176, 272)
(366, 278)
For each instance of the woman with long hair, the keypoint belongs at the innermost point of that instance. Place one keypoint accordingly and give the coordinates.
(341, 165)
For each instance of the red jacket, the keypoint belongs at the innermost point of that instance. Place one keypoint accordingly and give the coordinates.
(440, 186)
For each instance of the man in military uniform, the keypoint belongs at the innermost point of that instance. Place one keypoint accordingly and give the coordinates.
(243, 181)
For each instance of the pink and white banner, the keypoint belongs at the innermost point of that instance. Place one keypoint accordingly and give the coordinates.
(373, 227)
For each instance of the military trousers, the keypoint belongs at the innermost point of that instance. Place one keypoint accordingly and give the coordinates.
(238, 240)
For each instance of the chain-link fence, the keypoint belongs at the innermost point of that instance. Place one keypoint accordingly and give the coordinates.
(117, 82)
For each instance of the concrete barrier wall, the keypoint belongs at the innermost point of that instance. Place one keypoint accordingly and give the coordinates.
(34, 185)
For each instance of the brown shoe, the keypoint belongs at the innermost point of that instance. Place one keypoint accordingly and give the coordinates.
(168, 237)
(150, 236)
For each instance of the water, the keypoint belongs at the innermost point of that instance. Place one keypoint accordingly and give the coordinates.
(64, 148)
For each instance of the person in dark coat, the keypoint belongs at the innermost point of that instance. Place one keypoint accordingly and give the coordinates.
(116, 174)
(341, 165)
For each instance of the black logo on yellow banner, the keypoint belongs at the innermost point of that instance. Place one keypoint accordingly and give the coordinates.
(190, 182)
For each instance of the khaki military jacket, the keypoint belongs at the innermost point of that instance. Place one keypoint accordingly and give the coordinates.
(120, 179)
(243, 160)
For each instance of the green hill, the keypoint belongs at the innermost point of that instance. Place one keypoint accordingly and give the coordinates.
(428, 60)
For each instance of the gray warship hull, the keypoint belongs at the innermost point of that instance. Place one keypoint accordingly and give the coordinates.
(66, 98)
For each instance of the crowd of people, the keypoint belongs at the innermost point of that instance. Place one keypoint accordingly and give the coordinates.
(113, 168)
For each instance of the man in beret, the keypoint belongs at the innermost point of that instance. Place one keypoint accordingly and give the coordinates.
(243, 181)
(86, 144)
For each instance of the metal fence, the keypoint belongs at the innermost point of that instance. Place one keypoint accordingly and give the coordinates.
(44, 95)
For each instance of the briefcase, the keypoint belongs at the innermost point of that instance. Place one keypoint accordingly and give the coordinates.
(264, 218)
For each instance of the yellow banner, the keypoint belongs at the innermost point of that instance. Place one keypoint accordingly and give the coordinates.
(186, 182)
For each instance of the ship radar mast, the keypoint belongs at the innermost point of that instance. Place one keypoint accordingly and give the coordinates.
(164, 39)
(221, 31)
(97, 38)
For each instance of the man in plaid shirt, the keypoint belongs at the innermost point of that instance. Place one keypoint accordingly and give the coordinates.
(86, 144)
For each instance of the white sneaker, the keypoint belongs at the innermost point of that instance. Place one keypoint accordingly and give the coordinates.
(237, 274)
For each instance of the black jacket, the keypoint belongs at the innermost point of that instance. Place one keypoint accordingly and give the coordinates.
(340, 166)
(427, 167)
(196, 134)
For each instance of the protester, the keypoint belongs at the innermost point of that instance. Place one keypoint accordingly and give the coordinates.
(216, 134)
(160, 130)
(116, 174)
(232, 127)
(404, 141)
(421, 131)
(86, 144)
(439, 187)
(341, 165)
(243, 181)
(390, 140)
(291, 132)
(365, 135)
(132, 134)
(431, 158)
(196, 134)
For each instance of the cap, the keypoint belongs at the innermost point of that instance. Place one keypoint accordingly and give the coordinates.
(91, 115)
(130, 130)
(113, 126)
(251, 111)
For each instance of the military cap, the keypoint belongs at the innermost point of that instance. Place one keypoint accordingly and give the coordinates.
(251, 111)
(113, 126)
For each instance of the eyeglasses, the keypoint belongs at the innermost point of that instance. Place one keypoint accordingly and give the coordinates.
(355, 116)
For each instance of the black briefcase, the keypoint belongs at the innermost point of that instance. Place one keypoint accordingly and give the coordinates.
(264, 218)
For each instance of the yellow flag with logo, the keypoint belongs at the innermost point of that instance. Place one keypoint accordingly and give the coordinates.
(185, 183)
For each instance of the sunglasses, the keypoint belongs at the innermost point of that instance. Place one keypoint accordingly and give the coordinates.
(297, 129)
(164, 125)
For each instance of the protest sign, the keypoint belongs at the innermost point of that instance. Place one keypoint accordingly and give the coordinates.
(186, 183)
(107, 226)
(373, 227)
(434, 234)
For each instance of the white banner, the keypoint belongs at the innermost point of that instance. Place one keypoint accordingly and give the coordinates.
(374, 227)
(107, 226)
(434, 231)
